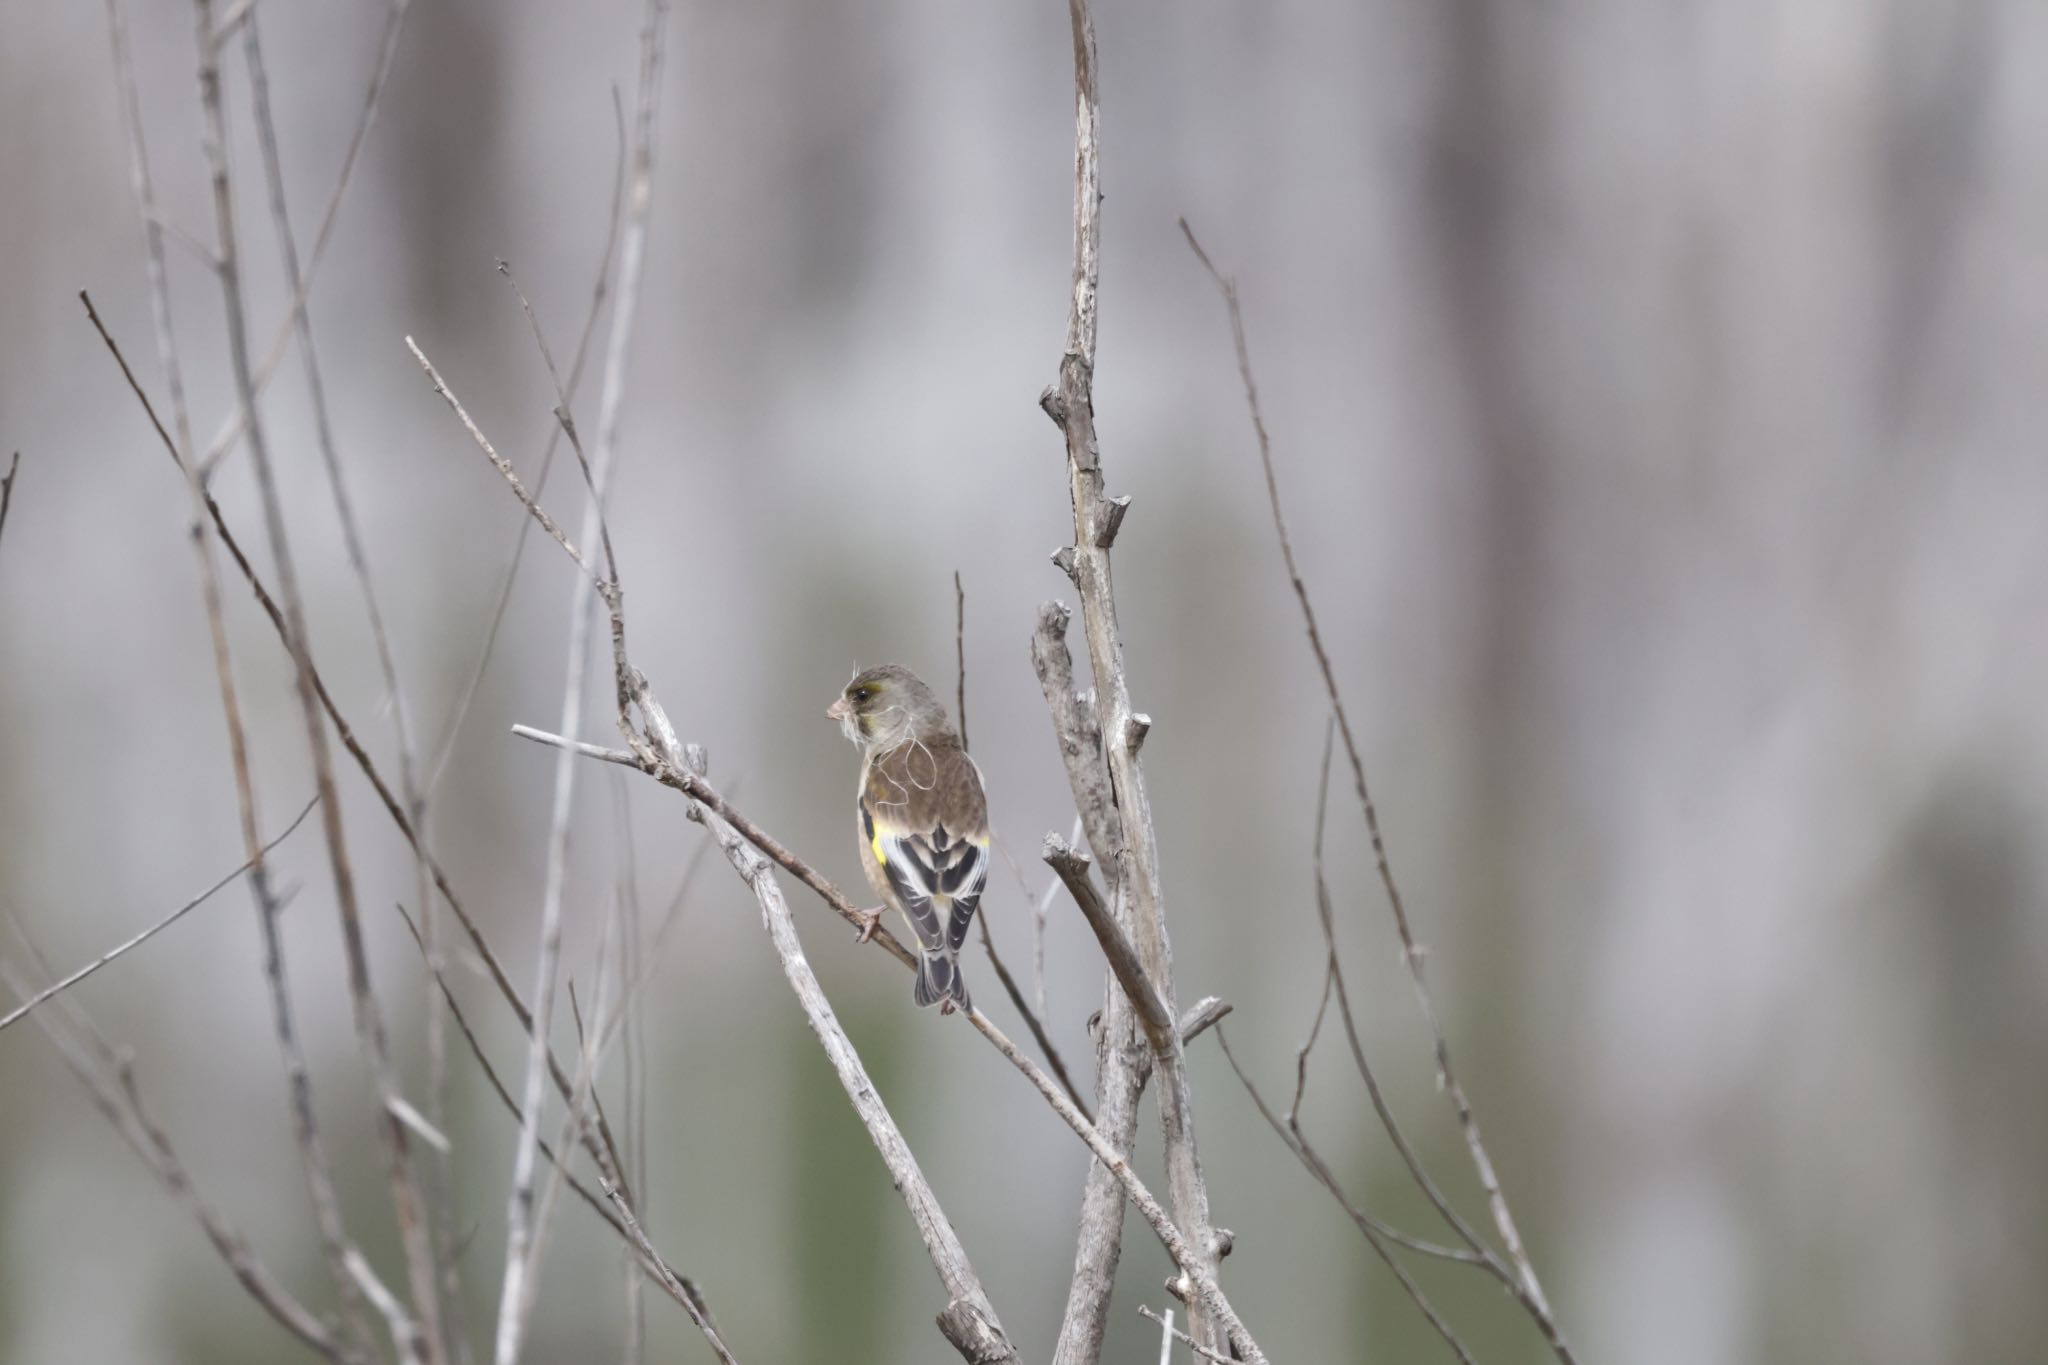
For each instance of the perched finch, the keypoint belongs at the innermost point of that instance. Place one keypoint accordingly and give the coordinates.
(922, 817)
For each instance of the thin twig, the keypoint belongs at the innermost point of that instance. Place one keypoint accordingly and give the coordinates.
(960, 649)
(458, 711)
(1378, 1235)
(1034, 1019)
(387, 52)
(150, 1143)
(7, 488)
(58, 988)
(603, 1149)
(691, 1301)
(521, 1244)
(1333, 974)
(1169, 1334)
(632, 1011)
(1039, 914)
(1201, 1282)
(442, 1215)
(1166, 1336)
(406, 1199)
(695, 787)
(1196, 1280)
(968, 1322)
(1039, 1034)
(334, 1240)
(1531, 1288)
(679, 1289)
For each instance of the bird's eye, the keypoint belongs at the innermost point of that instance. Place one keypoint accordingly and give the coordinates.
(863, 693)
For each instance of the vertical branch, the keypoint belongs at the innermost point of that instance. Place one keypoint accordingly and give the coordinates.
(334, 1241)
(520, 1243)
(1096, 520)
(369, 1022)
(387, 52)
(1121, 1069)
(441, 1227)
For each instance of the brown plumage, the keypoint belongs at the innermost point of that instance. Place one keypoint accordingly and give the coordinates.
(922, 819)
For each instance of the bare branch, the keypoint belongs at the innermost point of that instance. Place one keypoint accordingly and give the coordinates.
(1034, 1019)
(1378, 1235)
(679, 1289)
(121, 1106)
(1121, 1064)
(969, 1321)
(695, 787)
(1197, 1282)
(406, 1200)
(58, 988)
(459, 709)
(960, 649)
(1201, 1282)
(7, 488)
(1170, 1334)
(1030, 1016)
(346, 734)
(522, 1245)
(1097, 517)
(1202, 1016)
(1072, 866)
(504, 466)
(442, 1213)
(387, 52)
(1530, 1288)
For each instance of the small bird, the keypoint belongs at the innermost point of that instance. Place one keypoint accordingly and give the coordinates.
(923, 820)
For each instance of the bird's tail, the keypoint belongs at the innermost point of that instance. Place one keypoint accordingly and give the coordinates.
(938, 978)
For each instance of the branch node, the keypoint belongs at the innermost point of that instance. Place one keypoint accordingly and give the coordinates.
(1064, 558)
(1055, 406)
(1135, 732)
(1203, 1015)
(1112, 521)
(1221, 1242)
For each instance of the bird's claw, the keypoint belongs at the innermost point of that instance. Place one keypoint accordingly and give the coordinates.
(870, 920)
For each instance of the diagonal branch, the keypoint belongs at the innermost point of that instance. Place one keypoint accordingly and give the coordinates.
(58, 988)
(405, 1192)
(121, 1104)
(522, 1244)
(1529, 1288)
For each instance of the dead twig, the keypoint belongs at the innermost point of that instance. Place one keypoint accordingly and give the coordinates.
(118, 1099)
(7, 488)
(58, 988)
(522, 1245)
(407, 1204)
(1530, 1291)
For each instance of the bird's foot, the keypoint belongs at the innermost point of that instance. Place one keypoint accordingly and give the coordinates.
(870, 920)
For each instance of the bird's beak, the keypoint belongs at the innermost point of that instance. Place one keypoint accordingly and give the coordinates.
(838, 710)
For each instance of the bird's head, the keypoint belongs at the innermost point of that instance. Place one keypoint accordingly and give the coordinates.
(886, 706)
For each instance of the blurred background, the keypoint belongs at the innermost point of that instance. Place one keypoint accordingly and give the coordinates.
(1656, 394)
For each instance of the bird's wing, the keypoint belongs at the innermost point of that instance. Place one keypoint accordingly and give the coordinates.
(926, 820)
